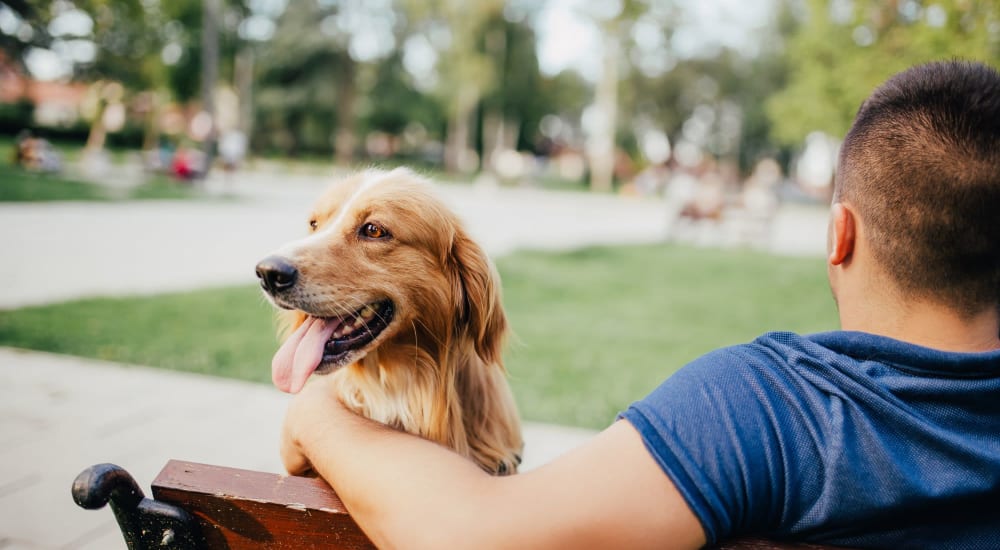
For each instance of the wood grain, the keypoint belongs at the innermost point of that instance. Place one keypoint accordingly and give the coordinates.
(242, 509)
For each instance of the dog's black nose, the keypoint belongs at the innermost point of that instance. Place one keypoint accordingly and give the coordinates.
(276, 274)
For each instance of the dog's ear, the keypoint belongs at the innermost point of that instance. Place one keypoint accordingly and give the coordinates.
(478, 303)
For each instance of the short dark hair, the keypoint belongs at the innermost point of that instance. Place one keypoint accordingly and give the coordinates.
(921, 164)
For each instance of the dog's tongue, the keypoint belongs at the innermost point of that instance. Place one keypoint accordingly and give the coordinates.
(301, 353)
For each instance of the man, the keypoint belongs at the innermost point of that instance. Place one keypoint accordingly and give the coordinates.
(884, 434)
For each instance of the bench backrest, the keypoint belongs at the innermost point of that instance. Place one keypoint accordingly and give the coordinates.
(245, 509)
(198, 506)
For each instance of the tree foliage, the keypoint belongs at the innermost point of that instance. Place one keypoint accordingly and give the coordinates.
(316, 89)
(302, 73)
(843, 49)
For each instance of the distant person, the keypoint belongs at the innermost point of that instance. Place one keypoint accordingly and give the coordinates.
(49, 159)
(21, 146)
(885, 434)
(232, 149)
(187, 163)
(35, 153)
(160, 159)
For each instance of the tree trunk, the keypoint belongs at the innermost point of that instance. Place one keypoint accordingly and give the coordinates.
(499, 135)
(151, 132)
(601, 143)
(209, 77)
(346, 138)
(243, 76)
(457, 144)
(98, 134)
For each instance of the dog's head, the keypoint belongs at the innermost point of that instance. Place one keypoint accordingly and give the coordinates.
(385, 262)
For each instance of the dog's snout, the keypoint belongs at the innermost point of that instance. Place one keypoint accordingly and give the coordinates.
(276, 274)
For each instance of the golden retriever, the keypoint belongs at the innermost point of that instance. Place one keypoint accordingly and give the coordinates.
(401, 310)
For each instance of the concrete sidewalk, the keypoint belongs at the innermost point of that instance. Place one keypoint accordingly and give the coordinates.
(60, 414)
(64, 250)
(58, 251)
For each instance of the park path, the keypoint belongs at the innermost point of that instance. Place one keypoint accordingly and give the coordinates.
(60, 414)
(63, 250)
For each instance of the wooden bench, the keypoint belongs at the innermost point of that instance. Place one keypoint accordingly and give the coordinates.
(198, 506)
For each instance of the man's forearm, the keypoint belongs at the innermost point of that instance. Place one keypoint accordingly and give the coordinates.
(398, 487)
(405, 491)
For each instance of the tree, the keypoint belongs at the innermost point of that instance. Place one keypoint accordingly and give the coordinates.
(463, 70)
(618, 23)
(317, 69)
(128, 39)
(512, 109)
(126, 54)
(394, 103)
(32, 32)
(306, 82)
(842, 50)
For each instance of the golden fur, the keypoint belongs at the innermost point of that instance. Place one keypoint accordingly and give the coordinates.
(437, 370)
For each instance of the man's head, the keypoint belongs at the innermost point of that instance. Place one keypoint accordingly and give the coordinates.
(920, 167)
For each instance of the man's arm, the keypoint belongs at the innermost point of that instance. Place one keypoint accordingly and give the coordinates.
(405, 491)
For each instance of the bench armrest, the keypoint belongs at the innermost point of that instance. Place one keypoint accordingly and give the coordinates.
(199, 506)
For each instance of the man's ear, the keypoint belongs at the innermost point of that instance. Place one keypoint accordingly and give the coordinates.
(478, 303)
(843, 233)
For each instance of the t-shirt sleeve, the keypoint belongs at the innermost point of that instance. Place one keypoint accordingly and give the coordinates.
(712, 427)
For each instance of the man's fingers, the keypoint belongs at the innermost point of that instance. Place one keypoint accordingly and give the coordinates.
(296, 463)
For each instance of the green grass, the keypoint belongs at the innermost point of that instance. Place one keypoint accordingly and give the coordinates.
(596, 329)
(225, 332)
(17, 185)
(601, 327)
(161, 187)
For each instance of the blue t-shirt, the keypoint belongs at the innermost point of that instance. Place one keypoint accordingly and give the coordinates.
(840, 438)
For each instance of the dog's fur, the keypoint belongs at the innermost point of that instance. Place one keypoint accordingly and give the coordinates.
(436, 370)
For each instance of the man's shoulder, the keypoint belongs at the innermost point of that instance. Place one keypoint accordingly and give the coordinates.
(767, 352)
(770, 435)
(737, 378)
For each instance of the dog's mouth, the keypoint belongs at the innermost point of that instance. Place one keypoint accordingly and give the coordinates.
(355, 331)
(322, 344)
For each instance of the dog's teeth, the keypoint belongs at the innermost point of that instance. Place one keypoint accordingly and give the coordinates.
(349, 326)
(338, 333)
(367, 313)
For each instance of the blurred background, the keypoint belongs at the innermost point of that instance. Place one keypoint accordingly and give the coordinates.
(652, 178)
(651, 175)
(622, 94)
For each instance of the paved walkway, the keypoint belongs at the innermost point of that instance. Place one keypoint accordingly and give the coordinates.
(61, 414)
(57, 251)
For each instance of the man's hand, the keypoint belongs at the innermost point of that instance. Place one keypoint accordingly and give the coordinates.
(316, 400)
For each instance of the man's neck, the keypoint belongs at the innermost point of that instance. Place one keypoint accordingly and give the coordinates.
(923, 323)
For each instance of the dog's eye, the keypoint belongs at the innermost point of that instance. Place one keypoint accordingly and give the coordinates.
(313, 225)
(373, 231)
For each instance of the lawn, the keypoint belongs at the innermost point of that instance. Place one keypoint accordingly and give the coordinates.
(595, 329)
(17, 185)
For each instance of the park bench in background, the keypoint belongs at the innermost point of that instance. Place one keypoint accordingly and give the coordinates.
(197, 506)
